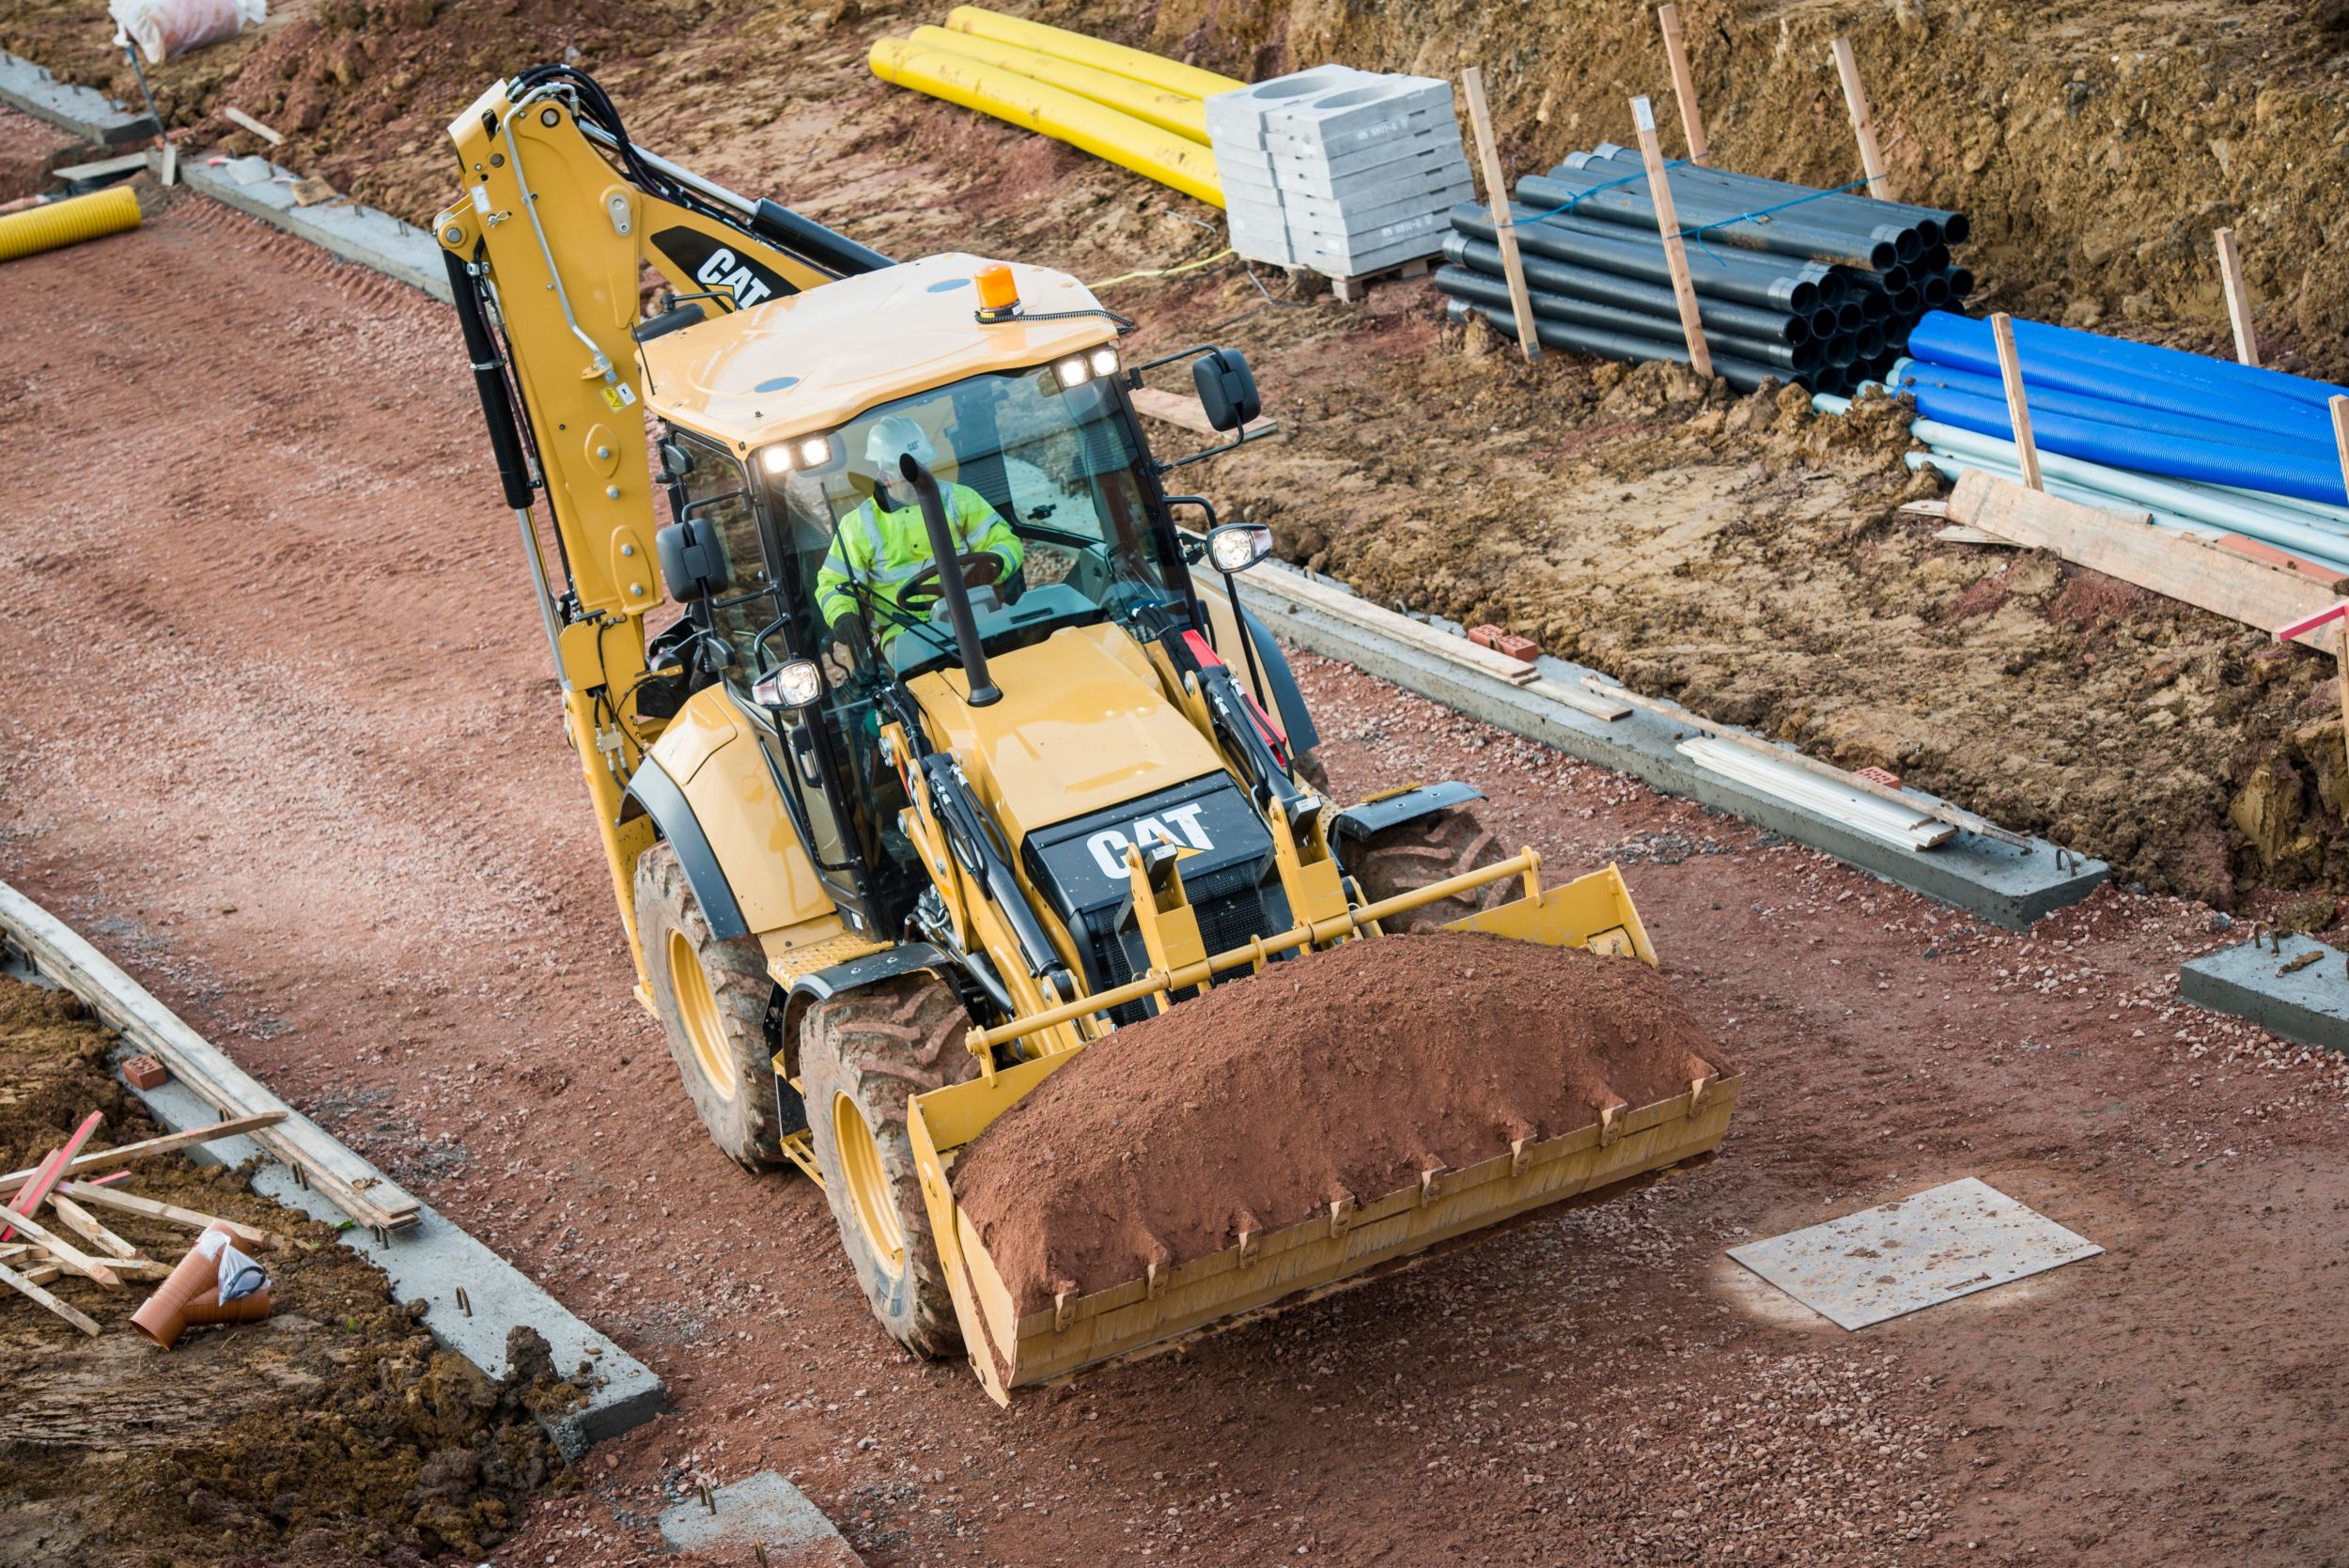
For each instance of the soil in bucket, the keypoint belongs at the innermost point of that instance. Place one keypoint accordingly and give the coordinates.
(1342, 1073)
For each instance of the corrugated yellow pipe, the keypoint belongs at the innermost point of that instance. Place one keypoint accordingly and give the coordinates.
(1156, 70)
(1054, 112)
(1169, 111)
(68, 222)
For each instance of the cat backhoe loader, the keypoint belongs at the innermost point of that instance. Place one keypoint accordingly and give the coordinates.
(951, 763)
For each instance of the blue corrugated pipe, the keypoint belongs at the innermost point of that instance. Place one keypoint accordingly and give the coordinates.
(1954, 341)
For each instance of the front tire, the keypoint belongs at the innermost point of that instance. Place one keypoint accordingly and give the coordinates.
(712, 997)
(1444, 843)
(863, 1055)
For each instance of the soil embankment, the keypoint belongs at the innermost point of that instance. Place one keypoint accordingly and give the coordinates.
(333, 1432)
(1343, 1074)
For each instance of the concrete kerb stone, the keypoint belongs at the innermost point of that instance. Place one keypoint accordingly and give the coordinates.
(355, 233)
(2308, 1005)
(88, 114)
(762, 1509)
(430, 1260)
(2008, 887)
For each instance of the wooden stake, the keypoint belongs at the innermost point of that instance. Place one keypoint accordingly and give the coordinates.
(1684, 84)
(69, 1254)
(2341, 439)
(168, 1141)
(238, 117)
(130, 1202)
(1668, 223)
(32, 1292)
(1504, 228)
(2017, 411)
(2247, 343)
(1863, 124)
(83, 1223)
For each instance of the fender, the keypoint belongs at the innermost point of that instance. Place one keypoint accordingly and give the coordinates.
(1350, 828)
(1288, 703)
(651, 788)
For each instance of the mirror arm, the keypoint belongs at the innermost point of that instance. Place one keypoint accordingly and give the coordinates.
(1242, 439)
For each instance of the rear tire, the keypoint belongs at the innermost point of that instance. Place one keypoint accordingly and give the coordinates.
(712, 997)
(863, 1056)
(1446, 842)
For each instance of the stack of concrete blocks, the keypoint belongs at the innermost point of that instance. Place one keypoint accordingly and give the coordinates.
(1340, 171)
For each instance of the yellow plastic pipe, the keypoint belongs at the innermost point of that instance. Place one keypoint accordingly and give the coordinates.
(1156, 70)
(69, 221)
(1050, 111)
(1169, 111)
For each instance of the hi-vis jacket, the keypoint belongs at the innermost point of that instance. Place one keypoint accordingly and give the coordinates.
(884, 549)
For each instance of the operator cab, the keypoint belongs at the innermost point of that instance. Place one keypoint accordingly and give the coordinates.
(783, 429)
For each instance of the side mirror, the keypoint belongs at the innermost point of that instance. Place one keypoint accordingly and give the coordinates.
(676, 461)
(1227, 389)
(692, 560)
(1234, 546)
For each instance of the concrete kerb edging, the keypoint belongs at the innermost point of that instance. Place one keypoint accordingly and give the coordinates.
(2008, 887)
(2308, 1005)
(87, 112)
(430, 1259)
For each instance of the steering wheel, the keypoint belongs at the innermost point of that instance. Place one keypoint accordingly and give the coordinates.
(980, 568)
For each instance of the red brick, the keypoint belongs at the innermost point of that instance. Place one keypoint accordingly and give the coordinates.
(144, 1072)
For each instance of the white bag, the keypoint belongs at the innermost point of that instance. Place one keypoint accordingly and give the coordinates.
(163, 28)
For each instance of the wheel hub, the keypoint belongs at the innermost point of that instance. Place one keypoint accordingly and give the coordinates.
(862, 1174)
(698, 1010)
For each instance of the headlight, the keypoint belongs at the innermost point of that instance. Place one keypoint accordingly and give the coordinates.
(1072, 371)
(1105, 362)
(815, 450)
(794, 686)
(1237, 546)
(775, 458)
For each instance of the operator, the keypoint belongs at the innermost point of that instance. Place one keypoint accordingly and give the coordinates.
(882, 547)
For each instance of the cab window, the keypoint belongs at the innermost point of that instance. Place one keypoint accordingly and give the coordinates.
(715, 487)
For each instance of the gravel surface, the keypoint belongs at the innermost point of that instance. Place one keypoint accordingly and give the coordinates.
(281, 741)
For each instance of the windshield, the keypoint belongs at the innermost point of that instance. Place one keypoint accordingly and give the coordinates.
(1044, 494)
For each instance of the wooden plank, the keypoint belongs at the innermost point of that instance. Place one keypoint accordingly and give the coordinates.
(2246, 342)
(130, 1202)
(1863, 124)
(1955, 534)
(1859, 810)
(2017, 404)
(1582, 702)
(1176, 409)
(66, 1252)
(238, 117)
(1496, 197)
(1360, 612)
(1956, 816)
(357, 1187)
(163, 1144)
(30, 1197)
(83, 1223)
(2205, 575)
(1667, 225)
(32, 1292)
(1683, 82)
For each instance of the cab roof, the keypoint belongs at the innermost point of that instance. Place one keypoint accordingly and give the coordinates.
(809, 362)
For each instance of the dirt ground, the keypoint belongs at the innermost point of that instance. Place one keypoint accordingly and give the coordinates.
(332, 1432)
(282, 742)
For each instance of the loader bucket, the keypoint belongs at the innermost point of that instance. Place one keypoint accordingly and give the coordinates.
(1010, 1349)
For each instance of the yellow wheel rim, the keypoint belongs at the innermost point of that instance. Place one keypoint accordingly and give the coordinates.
(868, 1185)
(698, 1010)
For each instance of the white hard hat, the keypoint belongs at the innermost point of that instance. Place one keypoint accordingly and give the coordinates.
(895, 436)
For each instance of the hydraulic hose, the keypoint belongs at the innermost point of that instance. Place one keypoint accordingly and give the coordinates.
(1743, 375)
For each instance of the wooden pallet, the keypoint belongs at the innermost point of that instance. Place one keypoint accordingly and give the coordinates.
(1354, 290)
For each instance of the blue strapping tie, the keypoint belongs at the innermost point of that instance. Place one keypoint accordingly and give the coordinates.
(1699, 232)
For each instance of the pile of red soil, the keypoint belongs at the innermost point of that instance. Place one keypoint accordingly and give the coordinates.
(1344, 1073)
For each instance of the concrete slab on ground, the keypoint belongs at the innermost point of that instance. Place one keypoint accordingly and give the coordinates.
(87, 112)
(1914, 1252)
(764, 1510)
(2007, 886)
(355, 233)
(2278, 988)
(430, 1260)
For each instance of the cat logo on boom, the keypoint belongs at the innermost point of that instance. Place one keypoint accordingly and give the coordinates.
(719, 269)
(1110, 845)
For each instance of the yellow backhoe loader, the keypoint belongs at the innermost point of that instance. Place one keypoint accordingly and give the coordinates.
(951, 763)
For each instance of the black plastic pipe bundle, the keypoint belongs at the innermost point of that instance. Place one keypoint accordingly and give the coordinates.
(1791, 283)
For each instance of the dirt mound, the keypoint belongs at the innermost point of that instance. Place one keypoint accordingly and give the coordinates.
(335, 1432)
(1344, 1073)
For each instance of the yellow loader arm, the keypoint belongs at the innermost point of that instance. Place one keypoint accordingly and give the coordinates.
(546, 257)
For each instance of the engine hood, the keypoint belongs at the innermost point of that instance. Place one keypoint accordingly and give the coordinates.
(1083, 726)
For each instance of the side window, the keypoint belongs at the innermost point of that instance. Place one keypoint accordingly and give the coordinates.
(716, 489)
